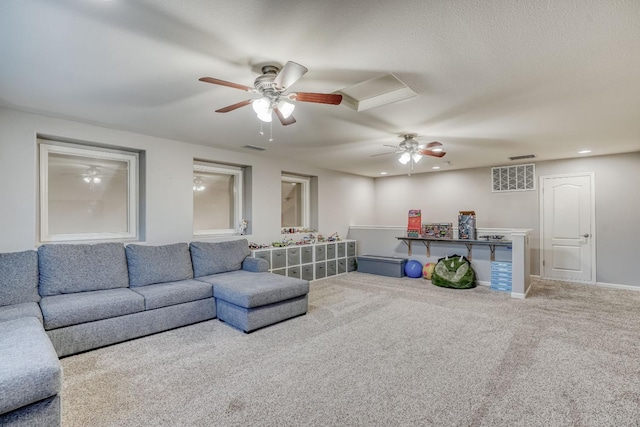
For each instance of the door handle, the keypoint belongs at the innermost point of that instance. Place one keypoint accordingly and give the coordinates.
(586, 235)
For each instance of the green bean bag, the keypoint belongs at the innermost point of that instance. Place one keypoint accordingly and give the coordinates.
(453, 272)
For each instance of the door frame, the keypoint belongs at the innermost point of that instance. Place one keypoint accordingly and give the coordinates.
(592, 232)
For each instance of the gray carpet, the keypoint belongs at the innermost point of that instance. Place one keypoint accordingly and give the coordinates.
(379, 351)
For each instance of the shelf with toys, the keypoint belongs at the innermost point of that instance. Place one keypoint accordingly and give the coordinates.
(313, 257)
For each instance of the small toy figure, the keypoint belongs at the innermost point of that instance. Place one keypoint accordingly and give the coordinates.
(243, 226)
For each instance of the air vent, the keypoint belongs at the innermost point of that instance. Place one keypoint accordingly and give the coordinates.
(513, 178)
(254, 147)
(526, 156)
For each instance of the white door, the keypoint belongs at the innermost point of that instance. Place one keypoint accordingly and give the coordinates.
(567, 211)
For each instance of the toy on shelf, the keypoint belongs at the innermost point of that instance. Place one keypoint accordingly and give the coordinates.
(415, 221)
(334, 237)
(243, 226)
(438, 230)
(294, 230)
(307, 240)
(254, 246)
(467, 225)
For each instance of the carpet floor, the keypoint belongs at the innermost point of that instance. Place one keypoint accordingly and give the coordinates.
(376, 351)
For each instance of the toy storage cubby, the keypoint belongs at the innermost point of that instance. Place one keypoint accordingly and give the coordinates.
(312, 261)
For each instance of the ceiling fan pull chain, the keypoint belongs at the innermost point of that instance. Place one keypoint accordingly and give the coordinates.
(261, 132)
(270, 131)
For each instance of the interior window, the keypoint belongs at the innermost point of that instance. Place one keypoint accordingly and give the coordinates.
(87, 193)
(217, 199)
(295, 202)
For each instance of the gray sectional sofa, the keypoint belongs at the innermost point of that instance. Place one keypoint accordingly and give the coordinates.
(69, 298)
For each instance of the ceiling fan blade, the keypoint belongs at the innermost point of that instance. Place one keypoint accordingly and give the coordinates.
(320, 98)
(392, 146)
(434, 144)
(432, 153)
(285, 121)
(289, 74)
(225, 83)
(234, 106)
(382, 154)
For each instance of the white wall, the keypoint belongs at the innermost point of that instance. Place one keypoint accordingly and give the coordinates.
(441, 195)
(343, 199)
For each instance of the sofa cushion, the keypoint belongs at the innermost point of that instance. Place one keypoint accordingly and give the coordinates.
(19, 277)
(250, 290)
(218, 257)
(65, 269)
(16, 311)
(172, 293)
(30, 369)
(158, 264)
(65, 310)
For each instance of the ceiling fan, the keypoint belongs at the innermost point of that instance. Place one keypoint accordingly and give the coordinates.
(411, 151)
(271, 85)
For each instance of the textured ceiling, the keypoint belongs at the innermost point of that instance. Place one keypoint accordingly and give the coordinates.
(494, 78)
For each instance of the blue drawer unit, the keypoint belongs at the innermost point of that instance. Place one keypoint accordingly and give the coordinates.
(501, 276)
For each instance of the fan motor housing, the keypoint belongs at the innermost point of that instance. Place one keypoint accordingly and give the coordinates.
(265, 81)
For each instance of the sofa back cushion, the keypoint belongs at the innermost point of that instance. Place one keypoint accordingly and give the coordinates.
(18, 278)
(218, 257)
(158, 264)
(70, 268)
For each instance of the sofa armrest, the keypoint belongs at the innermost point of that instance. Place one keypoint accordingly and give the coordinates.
(255, 265)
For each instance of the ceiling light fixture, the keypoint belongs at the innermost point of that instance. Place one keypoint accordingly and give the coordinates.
(92, 176)
(264, 106)
(263, 109)
(198, 185)
(584, 152)
(404, 158)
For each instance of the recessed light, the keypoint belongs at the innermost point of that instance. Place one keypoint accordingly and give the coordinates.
(584, 152)
(383, 173)
(436, 167)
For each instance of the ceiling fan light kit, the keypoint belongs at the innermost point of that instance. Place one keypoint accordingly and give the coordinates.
(404, 158)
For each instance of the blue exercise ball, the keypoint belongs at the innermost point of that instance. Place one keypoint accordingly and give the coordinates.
(413, 269)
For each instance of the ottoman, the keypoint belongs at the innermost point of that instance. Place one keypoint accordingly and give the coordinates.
(249, 301)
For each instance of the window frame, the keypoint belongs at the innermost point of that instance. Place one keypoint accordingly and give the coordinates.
(88, 152)
(305, 182)
(238, 189)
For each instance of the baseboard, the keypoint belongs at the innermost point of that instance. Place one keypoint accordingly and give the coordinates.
(601, 284)
(520, 295)
(617, 286)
